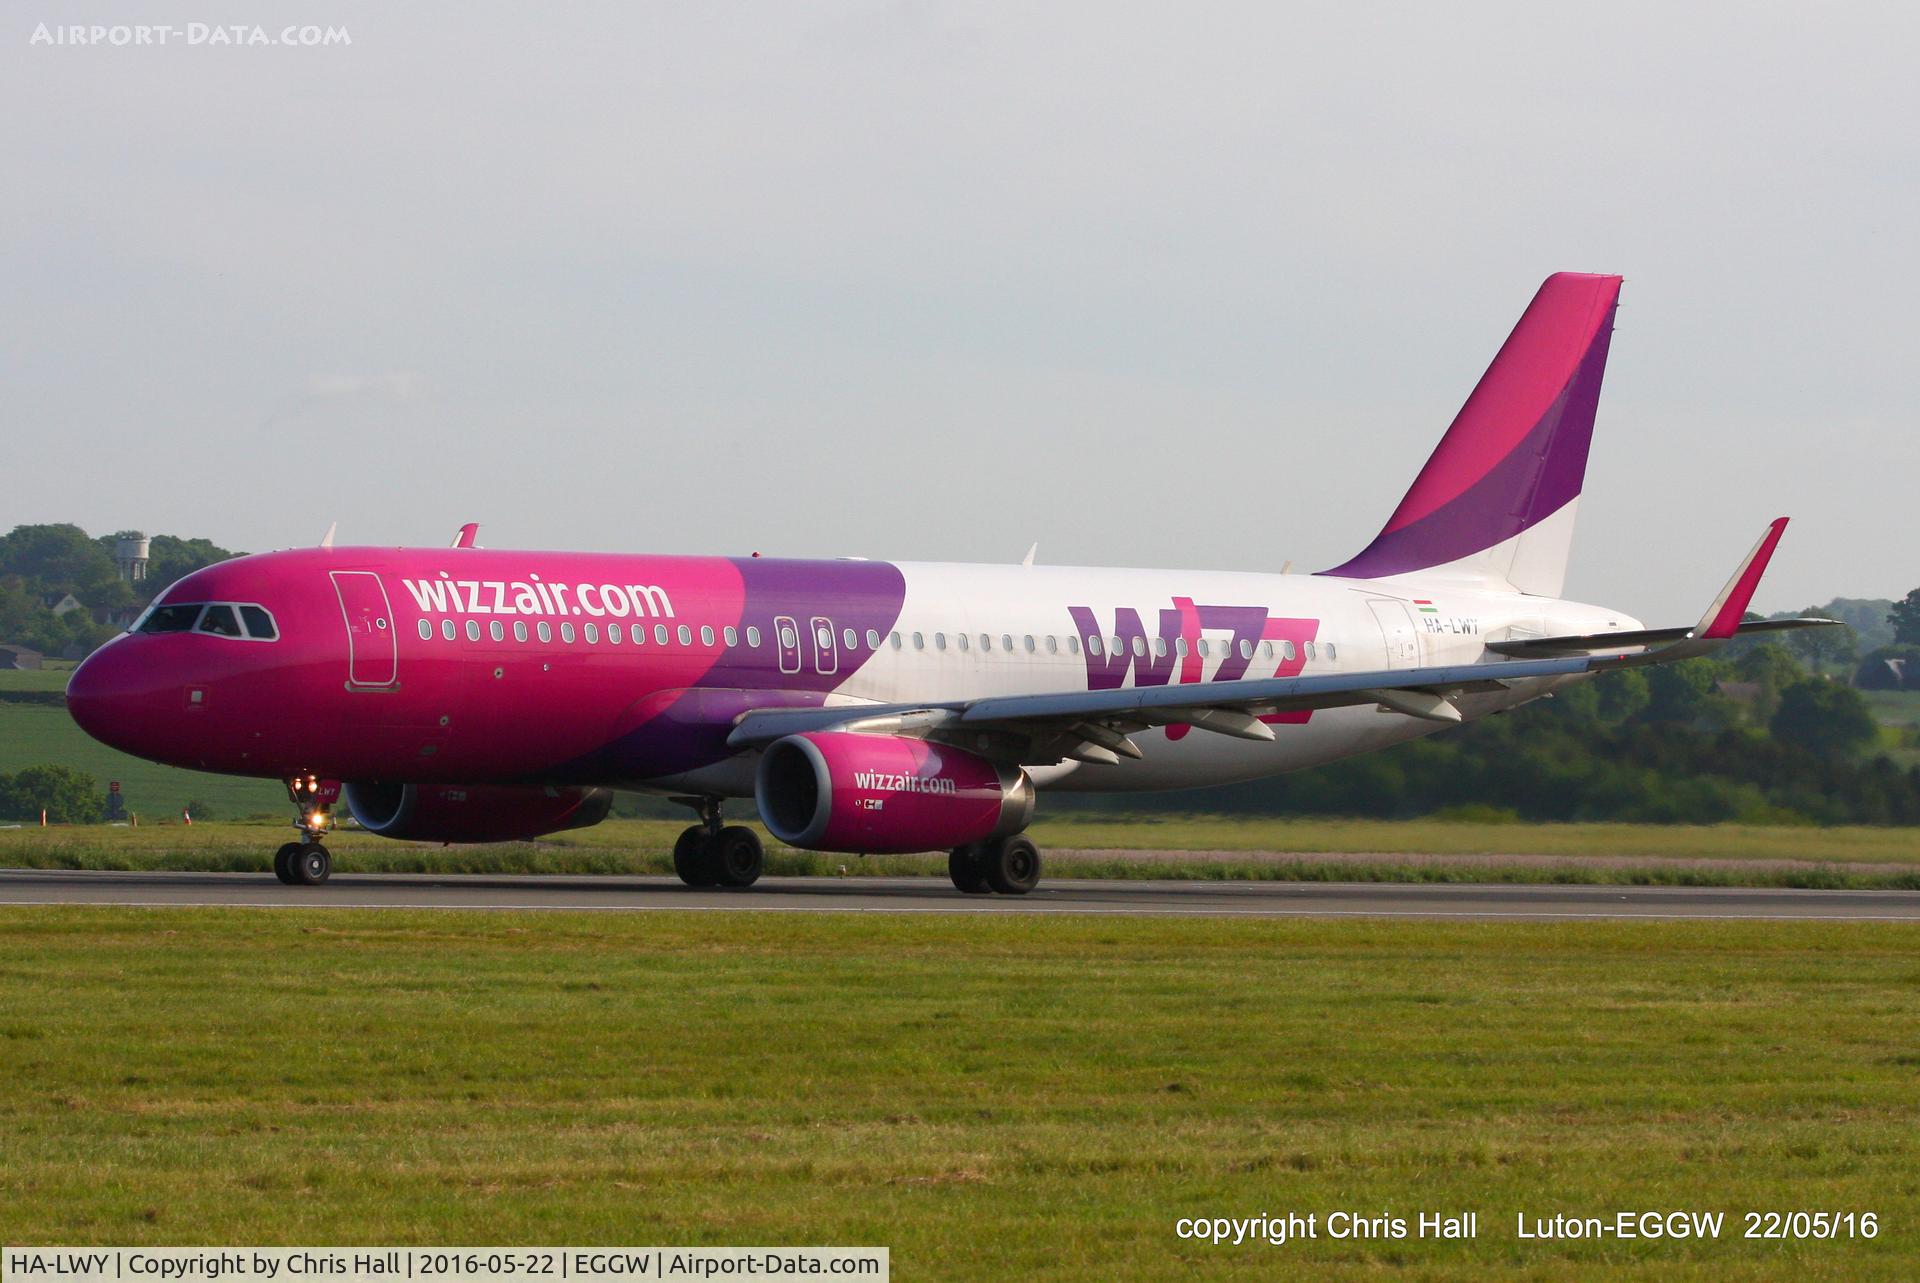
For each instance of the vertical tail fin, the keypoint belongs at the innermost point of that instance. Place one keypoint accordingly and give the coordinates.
(1496, 500)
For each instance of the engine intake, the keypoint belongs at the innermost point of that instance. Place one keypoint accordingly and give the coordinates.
(448, 813)
(878, 794)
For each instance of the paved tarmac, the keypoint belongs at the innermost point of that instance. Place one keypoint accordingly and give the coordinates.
(930, 895)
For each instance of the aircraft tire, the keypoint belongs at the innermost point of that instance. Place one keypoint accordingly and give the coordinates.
(735, 856)
(691, 861)
(967, 870)
(1012, 864)
(311, 864)
(283, 862)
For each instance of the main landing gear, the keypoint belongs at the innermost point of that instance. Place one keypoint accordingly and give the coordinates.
(306, 862)
(1009, 865)
(710, 855)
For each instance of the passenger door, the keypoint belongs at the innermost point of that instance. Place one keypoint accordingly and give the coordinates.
(372, 653)
(1403, 644)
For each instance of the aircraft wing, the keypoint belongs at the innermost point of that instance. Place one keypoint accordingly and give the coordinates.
(1094, 726)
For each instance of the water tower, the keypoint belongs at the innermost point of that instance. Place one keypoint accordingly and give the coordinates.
(130, 549)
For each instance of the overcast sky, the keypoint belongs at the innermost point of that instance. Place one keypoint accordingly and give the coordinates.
(1184, 285)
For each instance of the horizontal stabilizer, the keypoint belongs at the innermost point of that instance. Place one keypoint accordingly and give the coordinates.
(1722, 621)
(1581, 643)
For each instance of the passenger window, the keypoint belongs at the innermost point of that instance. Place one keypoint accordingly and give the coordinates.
(660, 634)
(1053, 647)
(1139, 647)
(473, 630)
(852, 639)
(170, 619)
(592, 632)
(732, 638)
(1115, 646)
(638, 632)
(685, 634)
(1266, 650)
(497, 630)
(919, 641)
(1073, 645)
(873, 640)
(706, 634)
(894, 639)
(1159, 647)
(1029, 643)
(260, 624)
(613, 634)
(220, 621)
(939, 641)
(1331, 656)
(1093, 645)
(1246, 649)
(1006, 641)
(1286, 650)
(544, 631)
(447, 626)
(519, 630)
(960, 641)
(1204, 652)
(426, 631)
(753, 637)
(788, 637)
(566, 633)
(1180, 646)
(986, 641)
(1310, 650)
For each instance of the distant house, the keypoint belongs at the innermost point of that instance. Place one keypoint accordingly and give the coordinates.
(62, 603)
(19, 657)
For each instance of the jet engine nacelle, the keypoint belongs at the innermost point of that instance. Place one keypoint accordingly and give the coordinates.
(447, 813)
(874, 794)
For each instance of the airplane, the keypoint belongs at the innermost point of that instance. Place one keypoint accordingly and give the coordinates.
(468, 694)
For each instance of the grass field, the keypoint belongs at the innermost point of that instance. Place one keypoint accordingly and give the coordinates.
(992, 1097)
(43, 734)
(52, 677)
(1213, 848)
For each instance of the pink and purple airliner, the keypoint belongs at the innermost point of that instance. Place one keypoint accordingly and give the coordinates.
(468, 694)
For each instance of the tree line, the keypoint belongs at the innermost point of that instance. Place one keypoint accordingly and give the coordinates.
(41, 564)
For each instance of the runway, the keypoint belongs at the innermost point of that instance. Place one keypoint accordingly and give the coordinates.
(929, 895)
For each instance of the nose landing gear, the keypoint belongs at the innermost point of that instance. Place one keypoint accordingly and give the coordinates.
(306, 862)
(708, 855)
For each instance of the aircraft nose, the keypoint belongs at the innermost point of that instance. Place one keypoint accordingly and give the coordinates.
(112, 695)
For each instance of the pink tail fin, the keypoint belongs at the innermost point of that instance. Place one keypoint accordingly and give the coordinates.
(1496, 499)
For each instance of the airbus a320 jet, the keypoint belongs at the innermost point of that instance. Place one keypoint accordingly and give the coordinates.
(467, 694)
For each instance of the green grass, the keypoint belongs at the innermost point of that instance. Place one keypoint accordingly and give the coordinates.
(52, 677)
(43, 735)
(1206, 847)
(992, 1097)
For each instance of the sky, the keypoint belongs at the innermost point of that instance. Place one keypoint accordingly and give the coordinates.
(1181, 285)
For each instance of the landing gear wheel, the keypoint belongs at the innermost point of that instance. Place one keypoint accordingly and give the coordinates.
(283, 862)
(1012, 864)
(311, 865)
(692, 860)
(968, 871)
(735, 855)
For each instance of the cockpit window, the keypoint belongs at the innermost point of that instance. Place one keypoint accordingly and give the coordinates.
(170, 619)
(220, 621)
(259, 623)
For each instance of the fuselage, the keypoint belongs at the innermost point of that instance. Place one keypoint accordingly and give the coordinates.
(483, 666)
